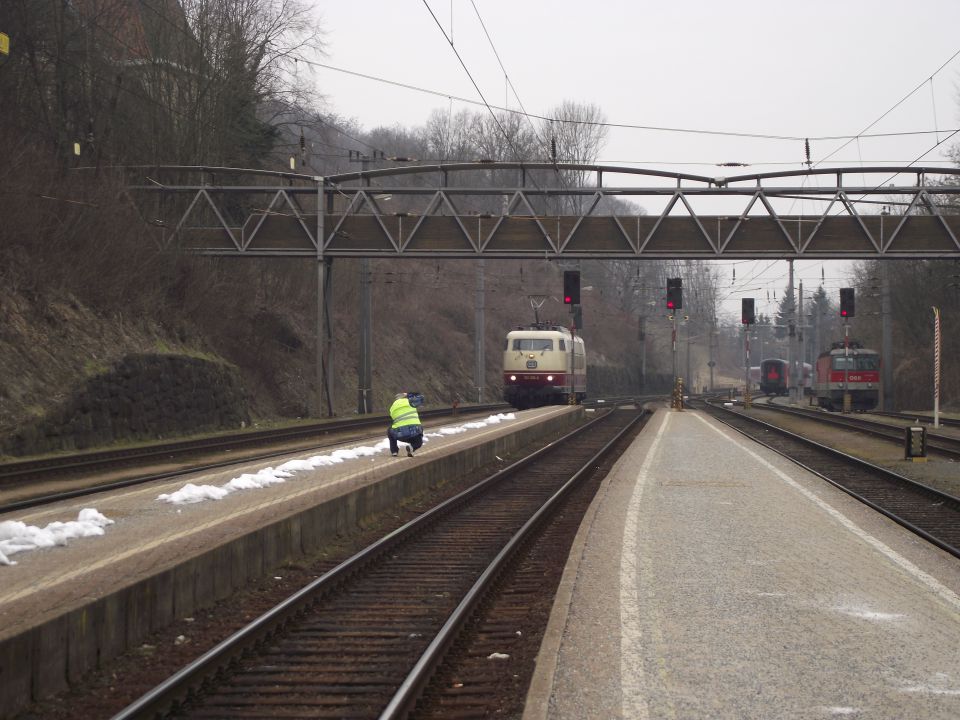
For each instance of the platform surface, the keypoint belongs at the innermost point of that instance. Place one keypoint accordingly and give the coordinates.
(149, 535)
(712, 578)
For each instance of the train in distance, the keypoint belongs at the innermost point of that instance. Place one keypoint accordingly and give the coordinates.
(774, 377)
(543, 364)
(855, 370)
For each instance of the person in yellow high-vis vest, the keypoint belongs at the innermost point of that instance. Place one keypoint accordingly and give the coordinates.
(405, 425)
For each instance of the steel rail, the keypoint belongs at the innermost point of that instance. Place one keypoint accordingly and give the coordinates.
(16, 468)
(204, 445)
(944, 444)
(893, 478)
(409, 691)
(181, 686)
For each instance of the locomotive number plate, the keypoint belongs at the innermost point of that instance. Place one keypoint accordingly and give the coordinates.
(531, 364)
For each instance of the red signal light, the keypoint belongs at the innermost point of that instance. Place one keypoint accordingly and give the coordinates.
(571, 287)
(847, 303)
(674, 293)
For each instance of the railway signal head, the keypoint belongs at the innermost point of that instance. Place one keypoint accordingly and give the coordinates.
(847, 306)
(571, 287)
(674, 293)
(747, 314)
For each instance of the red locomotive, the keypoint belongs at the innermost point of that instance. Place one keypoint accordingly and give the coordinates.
(853, 369)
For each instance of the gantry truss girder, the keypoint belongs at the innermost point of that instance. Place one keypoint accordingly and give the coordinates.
(276, 214)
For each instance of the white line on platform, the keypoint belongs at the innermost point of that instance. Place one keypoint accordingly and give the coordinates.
(896, 558)
(633, 702)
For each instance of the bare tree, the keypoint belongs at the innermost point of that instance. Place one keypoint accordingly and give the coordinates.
(246, 61)
(576, 134)
(446, 136)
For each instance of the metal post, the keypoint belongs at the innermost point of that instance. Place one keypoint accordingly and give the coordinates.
(328, 334)
(886, 355)
(319, 335)
(746, 345)
(643, 352)
(478, 331)
(364, 400)
(676, 365)
(886, 350)
(365, 369)
(846, 365)
(799, 330)
(791, 324)
(320, 349)
(712, 363)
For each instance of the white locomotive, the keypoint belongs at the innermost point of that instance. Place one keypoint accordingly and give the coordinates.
(543, 364)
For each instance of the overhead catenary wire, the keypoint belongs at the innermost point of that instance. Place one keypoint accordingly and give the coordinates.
(848, 138)
(463, 64)
(862, 133)
(624, 125)
(509, 82)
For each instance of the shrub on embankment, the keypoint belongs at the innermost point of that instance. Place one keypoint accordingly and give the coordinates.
(142, 397)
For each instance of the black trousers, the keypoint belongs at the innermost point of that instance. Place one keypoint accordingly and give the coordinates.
(415, 442)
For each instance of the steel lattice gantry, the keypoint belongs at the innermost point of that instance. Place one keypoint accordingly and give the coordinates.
(522, 210)
(542, 211)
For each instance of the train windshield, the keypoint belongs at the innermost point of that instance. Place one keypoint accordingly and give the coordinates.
(532, 344)
(841, 362)
(856, 362)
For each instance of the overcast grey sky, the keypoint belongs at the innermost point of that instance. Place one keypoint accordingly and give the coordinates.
(846, 69)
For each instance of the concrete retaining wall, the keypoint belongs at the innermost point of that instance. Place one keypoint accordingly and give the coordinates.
(49, 658)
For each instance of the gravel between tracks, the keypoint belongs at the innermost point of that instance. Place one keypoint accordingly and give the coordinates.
(106, 692)
(126, 678)
(937, 472)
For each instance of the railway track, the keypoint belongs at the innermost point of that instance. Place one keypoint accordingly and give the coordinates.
(928, 512)
(946, 445)
(919, 418)
(365, 639)
(41, 481)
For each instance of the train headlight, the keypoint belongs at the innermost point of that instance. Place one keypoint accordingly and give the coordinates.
(549, 378)
(513, 378)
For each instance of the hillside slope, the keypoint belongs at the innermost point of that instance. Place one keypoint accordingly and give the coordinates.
(247, 328)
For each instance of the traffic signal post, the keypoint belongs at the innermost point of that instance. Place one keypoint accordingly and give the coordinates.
(847, 311)
(674, 303)
(571, 297)
(747, 318)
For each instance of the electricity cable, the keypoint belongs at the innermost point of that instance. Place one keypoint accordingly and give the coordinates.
(496, 120)
(618, 125)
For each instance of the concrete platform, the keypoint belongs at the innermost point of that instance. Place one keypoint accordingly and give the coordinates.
(65, 609)
(714, 579)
